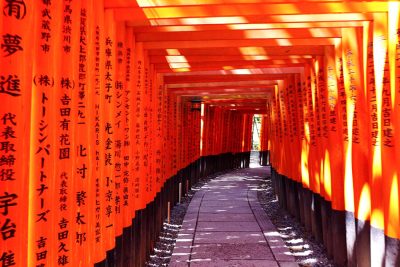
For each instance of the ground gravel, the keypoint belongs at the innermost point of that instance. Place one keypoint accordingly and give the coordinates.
(306, 250)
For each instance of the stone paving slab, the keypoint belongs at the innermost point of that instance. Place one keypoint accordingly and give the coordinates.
(228, 226)
(228, 237)
(226, 203)
(229, 209)
(225, 225)
(225, 217)
(234, 263)
(233, 252)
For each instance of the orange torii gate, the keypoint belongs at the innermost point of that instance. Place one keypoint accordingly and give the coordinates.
(98, 126)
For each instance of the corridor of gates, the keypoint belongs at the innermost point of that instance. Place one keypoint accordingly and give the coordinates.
(110, 110)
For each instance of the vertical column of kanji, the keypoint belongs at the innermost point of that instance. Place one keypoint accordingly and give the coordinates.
(67, 80)
(15, 95)
(81, 168)
(158, 123)
(320, 114)
(194, 130)
(316, 150)
(352, 51)
(173, 130)
(167, 158)
(299, 122)
(296, 143)
(41, 236)
(360, 131)
(282, 125)
(390, 131)
(184, 133)
(128, 102)
(108, 100)
(305, 129)
(152, 130)
(203, 140)
(394, 53)
(186, 130)
(310, 126)
(381, 177)
(169, 147)
(284, 122)
(138, 119)
(98, 135)
(200, 130)
(175, 134)
(289, 128)
(178, 133)
(145, 129)
(292, 116)
(315, 130)
(333, 164)
(119, 124)
(359, 115)
(192, 135)
(348, 61)
(189, 133)
(196, 145)
(338, 182)
(368, 195)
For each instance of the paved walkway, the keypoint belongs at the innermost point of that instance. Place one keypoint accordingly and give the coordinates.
(225, 225)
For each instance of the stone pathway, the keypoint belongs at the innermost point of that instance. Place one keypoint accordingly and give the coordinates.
(225, 225)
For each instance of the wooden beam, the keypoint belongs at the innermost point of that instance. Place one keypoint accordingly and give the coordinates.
(245, 10)
(238, 43)
(222, 78)
(240, 34)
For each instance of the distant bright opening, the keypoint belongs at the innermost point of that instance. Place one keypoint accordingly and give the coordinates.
(255, 142)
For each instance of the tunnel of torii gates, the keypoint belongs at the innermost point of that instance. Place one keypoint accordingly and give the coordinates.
(108, 107)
